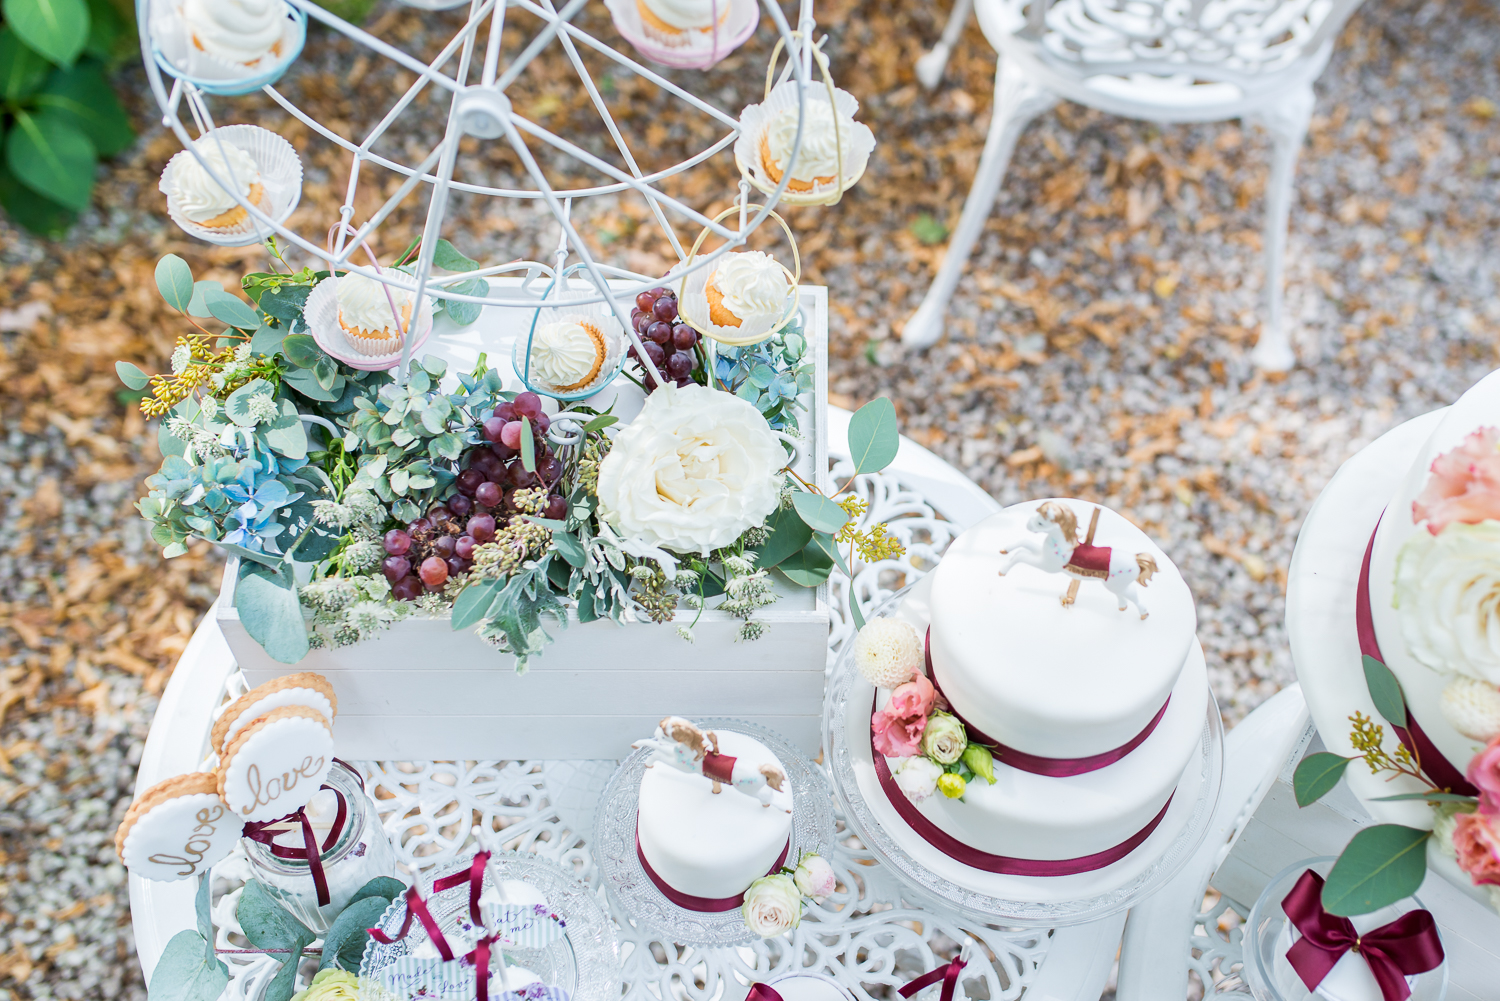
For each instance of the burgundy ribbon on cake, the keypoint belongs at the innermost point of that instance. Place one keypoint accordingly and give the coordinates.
(763, 992)
(416, 908)
(310, 852)
(947, 973)
(1405, 947)
(689, 902)
(1412, 736)
(1036, 763)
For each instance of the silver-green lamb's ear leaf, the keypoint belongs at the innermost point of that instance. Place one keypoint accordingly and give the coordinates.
(272, 616)
(185, 973)
(820, 513)
(174, 279)
(132, 377)
(873, 438)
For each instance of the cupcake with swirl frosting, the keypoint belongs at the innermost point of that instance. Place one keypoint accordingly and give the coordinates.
(826, 142)
(365, 315)
(237, 33)
(677, 22)
(202, 200)
(748, 286)
(567, 354)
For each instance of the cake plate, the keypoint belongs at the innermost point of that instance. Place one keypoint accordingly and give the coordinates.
(620, 865)
(1053, 901)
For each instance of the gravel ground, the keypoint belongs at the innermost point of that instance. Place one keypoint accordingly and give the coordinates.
(1096, 349)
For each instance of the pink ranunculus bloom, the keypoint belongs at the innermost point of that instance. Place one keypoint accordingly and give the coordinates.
(1484, 772)
(894, 736)
(1465, 484)
(1478, 846)
(912, 699)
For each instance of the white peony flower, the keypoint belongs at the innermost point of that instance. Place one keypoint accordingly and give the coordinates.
(773, 905)
(888, 652)
(1472, 708)
(1448, 596)
(692, 472)
(917, 777)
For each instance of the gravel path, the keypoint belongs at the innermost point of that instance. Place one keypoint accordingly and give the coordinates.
(1096, 349)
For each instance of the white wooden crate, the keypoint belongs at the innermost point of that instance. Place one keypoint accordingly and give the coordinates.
(421, 691)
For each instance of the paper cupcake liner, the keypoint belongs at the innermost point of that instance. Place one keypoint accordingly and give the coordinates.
(691, 49)
(598, 315)
(322, 317)
(757, 118)
(280, 175)
(175, 53)
(692, 304)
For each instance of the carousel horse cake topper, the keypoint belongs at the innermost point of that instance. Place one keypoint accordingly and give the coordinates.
(1060, 550)
(680, 743)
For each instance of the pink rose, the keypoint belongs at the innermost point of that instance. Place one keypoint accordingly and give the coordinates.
(1465, 484)
(912, 699)
(1478, 848)
(1484, 773)
(894, 736)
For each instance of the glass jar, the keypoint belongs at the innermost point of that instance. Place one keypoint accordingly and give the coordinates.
(360, 852)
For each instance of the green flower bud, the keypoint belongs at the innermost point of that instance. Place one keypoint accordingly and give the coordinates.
(952, 785)
(980, 761)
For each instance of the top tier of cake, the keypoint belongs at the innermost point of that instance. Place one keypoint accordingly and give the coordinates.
(1465, 625)
(1042, 678)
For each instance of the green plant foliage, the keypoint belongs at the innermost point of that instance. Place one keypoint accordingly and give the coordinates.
(1316, 775)
(57, 29)
(186, 973)
(1385, 691)
(1379, 866)
(268, 926)
(788, 534)
(344, 944)
(272, 616)
(51, 157)
(873, 438)
(820, 513)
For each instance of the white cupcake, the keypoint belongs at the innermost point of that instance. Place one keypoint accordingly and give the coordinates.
(200, 199)
(676, 22)
(365, 314)
(824, 146)
(246, 33)
(567, 354)
(747, 286)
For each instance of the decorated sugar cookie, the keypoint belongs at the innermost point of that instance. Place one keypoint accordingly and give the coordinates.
(306, 688)
(275, 763)
(177, 828)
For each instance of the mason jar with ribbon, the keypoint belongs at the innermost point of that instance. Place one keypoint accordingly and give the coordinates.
(315, 859)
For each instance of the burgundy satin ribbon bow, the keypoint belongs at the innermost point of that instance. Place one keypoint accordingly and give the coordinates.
(763, 992)
(416, 908)
(948, 974)
(1405, 947)
(310, 852)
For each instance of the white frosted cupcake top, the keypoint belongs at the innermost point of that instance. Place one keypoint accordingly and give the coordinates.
(753, 285)
(236, 31)
(687, 13)
(822, 144)
(199, 197)
(563, 353)
(363, 303)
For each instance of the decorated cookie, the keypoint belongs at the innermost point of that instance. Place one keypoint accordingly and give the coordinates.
(177, 828)
(304, 689)
(275, 763)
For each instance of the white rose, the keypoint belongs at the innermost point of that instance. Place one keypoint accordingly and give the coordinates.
(815, 877)
(773, 905)
(918, 777)
(692, 472)
(1448, 597)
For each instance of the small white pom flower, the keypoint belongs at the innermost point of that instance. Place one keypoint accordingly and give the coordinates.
(181, 356)
(1472, 707)
(888, 652)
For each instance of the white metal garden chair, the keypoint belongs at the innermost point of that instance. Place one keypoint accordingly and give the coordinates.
(1158, 60)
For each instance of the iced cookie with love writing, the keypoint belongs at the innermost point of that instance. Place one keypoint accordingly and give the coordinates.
(275, 764)
(177, 828)
(305, 688)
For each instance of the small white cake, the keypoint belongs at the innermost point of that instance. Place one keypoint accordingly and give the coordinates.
(706, 844)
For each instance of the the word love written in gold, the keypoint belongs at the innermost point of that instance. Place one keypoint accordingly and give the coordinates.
(198, 842)
(269, 792)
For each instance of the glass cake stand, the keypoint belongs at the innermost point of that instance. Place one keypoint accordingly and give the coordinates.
(585, 962)
(615, 844)
(1051, 901)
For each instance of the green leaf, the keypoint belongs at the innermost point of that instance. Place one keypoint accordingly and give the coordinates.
(267, 924)
(1379, 866)
(528, 446)
(185, 973)
(465, 313)
(445, 256)
(326, 373)
(272, 616)
(381, 886)
(1431, 797)
(286, 434)
(22, 69)
(570, 548)
(1316, 774)
(237, 407)
(301, 350)
(25, 207)
(807, 568)
(474, 602)
(174, 279)
(344, 943)
(825, 542)
(108, 37)
(264, 559)
(51, 157)
(82, 96)
(196, 306)
(822, 514)
(267, 340)
(788, 534)
(600, 423)
(55, 28)
(202, 909)
(230, 309)
(928, 229)
(305, 381)
(873, 438)
(1385, 690)
(434, 366)
(130, 375)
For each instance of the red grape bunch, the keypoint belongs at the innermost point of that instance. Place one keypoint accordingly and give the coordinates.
(430, 550)
(669, 343)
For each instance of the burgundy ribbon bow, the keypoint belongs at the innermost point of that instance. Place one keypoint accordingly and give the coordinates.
(265, 832)
(1405, 947)
(416, 907)
(763, 992)
(947, 973)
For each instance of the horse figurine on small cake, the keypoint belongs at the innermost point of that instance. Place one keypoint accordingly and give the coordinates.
(681, 744)
(1060, 551)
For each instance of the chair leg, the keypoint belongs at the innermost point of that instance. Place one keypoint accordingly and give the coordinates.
(1286, 121)
(930, 67)
(1017, 102)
